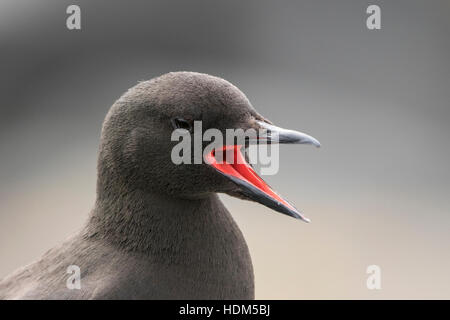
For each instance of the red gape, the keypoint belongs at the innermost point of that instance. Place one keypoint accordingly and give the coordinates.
(239, 168)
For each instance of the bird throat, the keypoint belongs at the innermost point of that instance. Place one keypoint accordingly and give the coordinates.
(168, 229)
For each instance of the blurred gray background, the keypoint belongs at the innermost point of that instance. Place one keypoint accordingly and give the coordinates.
(377, 191)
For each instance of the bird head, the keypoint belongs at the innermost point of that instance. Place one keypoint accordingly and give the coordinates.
(146, 127)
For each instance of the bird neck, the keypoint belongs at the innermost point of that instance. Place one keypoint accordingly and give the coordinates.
(159, 225)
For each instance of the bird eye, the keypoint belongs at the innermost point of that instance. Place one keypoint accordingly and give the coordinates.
(179, 123)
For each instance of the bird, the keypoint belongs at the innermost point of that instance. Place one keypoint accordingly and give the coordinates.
(158, 230)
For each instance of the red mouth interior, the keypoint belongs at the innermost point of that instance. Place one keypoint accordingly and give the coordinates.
(234, 164)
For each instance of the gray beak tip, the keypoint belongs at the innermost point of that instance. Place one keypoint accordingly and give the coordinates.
(311, 140)
(281, 135)
(300, 216)
(317, 144)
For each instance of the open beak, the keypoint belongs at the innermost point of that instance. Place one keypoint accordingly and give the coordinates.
(250, 184)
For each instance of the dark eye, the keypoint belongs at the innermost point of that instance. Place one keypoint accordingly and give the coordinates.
(179, 123)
